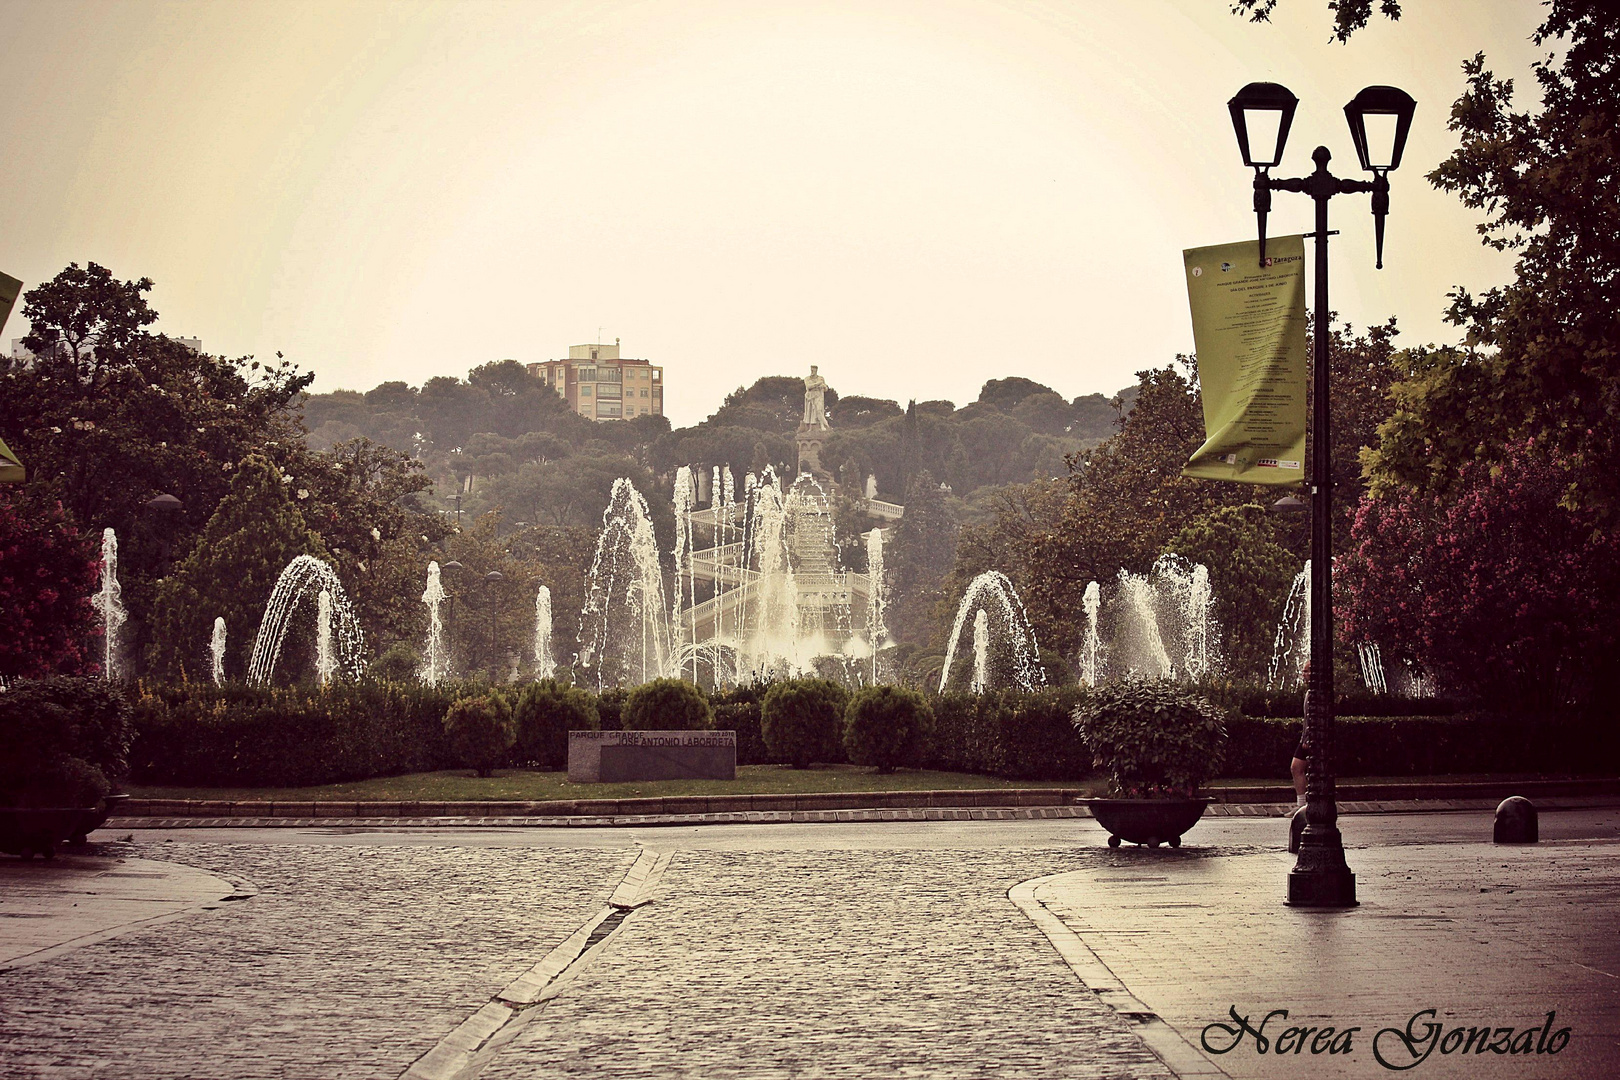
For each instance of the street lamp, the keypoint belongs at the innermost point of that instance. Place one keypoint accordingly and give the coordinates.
(1321, 878)
(166, 506)
(492, 579)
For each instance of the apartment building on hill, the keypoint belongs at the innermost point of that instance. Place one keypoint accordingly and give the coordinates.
(600, 385)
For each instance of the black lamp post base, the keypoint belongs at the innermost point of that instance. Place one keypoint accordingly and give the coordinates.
(1325, 887)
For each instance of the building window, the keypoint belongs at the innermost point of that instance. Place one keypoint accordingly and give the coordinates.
(608, 390)
(585, 391)
(643, 391)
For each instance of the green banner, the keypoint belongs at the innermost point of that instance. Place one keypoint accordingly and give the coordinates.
(1249, 330)
(9, 288)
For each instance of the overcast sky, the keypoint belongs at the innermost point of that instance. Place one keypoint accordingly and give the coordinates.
(917, 195)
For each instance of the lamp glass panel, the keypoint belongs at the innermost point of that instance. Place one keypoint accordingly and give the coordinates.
(1380, 129)
(1262, 125)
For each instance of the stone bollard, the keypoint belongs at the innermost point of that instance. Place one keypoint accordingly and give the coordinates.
(1515, 821)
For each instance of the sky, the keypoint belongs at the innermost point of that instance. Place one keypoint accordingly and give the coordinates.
(915, 195)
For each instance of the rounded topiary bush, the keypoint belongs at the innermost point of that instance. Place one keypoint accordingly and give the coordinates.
(667, 705)
(1152, 739)
(886, 726)
(546, 711)
(480, 732)
(799, 720)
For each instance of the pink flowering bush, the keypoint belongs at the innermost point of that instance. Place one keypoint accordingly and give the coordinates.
(48, 572)
(1493, 586)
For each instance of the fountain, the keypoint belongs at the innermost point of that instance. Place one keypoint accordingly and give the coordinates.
(1091, 642)
(877, 633)
(109, 602)
(624, 631)
(545, 665)
(1008, 648)
(1292, 646)
(981, 652)
(1141, 645)
(344, 642)
(1372, 667)
(325, 662)
(436, 662)
(216, 650)
(1162, 625)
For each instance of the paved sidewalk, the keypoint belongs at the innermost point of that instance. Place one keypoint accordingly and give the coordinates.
(1486, 935)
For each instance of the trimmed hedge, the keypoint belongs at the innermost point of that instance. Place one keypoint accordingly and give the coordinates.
(739, 709)
(545, 712)
(1019, 736)
(667, 705)
(1429, 745)
(887, 727)
(240, 736)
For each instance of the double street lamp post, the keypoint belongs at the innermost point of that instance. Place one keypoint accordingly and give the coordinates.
(1261, 116)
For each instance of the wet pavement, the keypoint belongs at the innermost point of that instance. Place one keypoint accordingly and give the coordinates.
(944, 948)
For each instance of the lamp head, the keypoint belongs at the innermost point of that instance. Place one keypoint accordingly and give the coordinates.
(1380, 118)
(1261, 113)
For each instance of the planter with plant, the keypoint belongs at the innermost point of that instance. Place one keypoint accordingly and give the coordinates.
(64, 746)
(1156, 743)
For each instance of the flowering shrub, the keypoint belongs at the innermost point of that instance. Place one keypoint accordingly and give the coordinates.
(1493, 585)
(1153, 739)
(48, 572)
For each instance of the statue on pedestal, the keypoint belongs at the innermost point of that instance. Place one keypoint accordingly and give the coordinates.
(815, 401)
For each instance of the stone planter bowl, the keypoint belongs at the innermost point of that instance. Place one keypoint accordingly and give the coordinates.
(1149, 822)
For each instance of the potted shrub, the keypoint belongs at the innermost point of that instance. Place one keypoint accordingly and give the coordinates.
(64, 745)
(1157, 743)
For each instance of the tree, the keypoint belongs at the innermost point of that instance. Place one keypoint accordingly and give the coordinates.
(918, 560)
(103, 432)
(1543, 355)
(1348, 15)
(48, 571)
(230, 573)
(85, 319)
(1493, 586)
(360, 499)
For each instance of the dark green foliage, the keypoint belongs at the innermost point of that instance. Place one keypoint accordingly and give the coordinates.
(610, 708)
(667, 705)
(63, 742)
(799, 719)
(738, 709)
(399, 664)
(1431, 745)
(1153, 739)
(886, 726)
(480, 731)
(241, 736)
(545, 712)
(1250, 572)
(1022, 736)
(257, 530)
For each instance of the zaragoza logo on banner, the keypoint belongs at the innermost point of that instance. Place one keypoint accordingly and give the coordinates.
(1249, 330)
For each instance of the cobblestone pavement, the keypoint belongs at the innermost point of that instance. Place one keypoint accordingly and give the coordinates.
(863, 963)
(348, 962)
(355, 961)
(1486, 935)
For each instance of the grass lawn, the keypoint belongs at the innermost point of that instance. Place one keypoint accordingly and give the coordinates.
(522, 784)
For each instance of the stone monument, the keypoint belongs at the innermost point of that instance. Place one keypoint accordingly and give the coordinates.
(812, 434)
